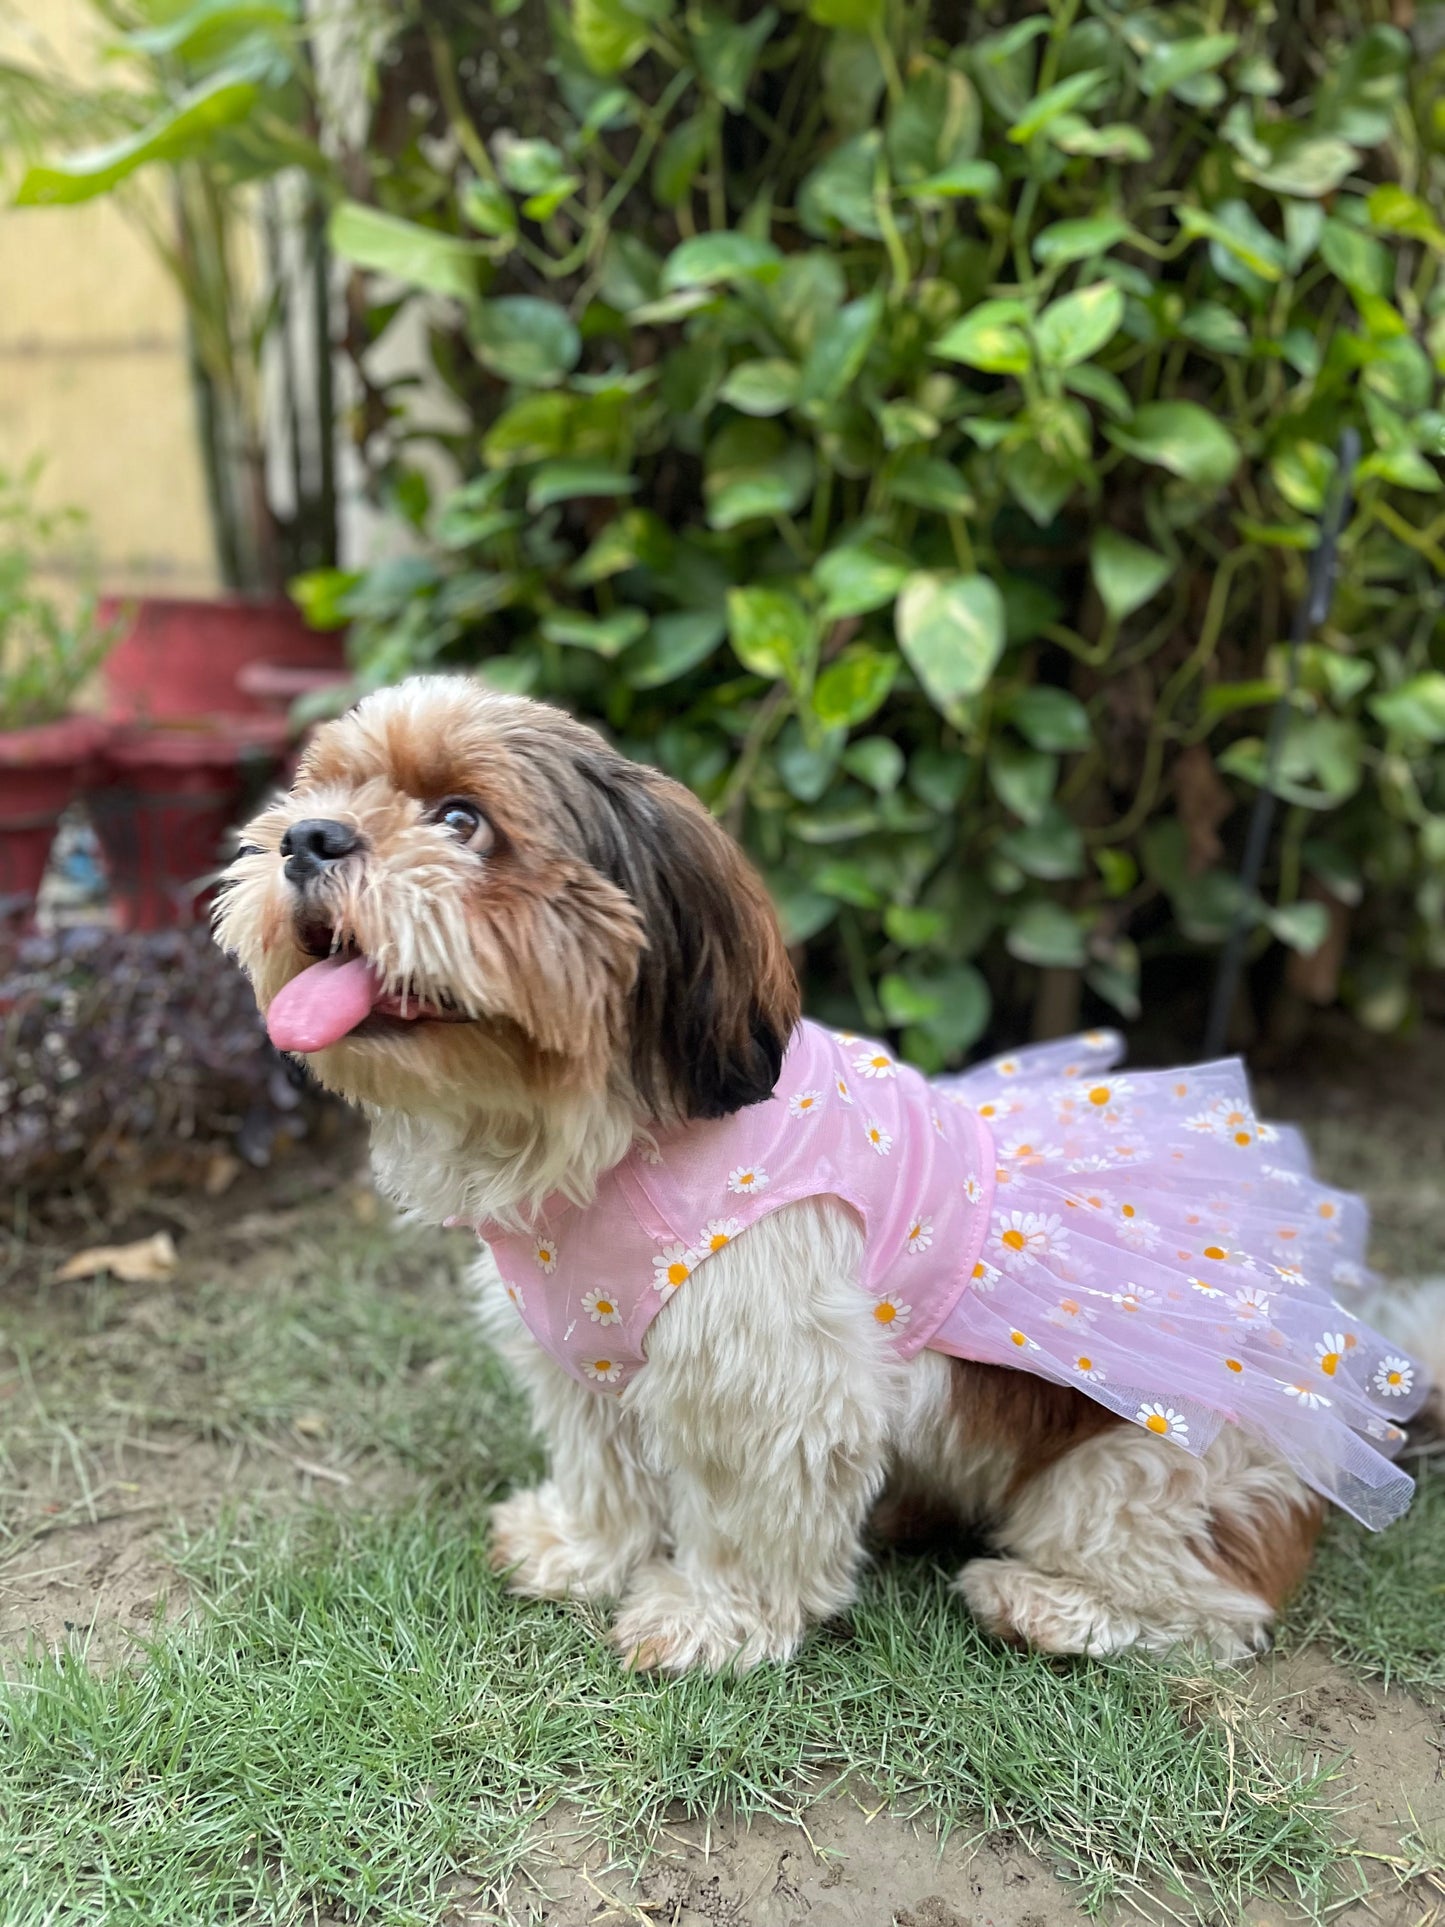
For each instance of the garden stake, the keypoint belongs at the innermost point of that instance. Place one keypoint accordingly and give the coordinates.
(1309, 615)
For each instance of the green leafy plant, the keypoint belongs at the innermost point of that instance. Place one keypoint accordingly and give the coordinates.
(909, 430)
(210, 145)
(50, 644)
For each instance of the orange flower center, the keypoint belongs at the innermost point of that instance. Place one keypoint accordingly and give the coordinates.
(885, 1314)
(677, 1272)
(717, 1241)
(1128, 1210)
(604, 1305)
(1084, 1364)
(1018, 1338)
(1234, 1364)
(602, 1365)
(1014, 1240)
(1329, 1363)
(1241, 1137)
(1213, 1251)
(1099, 1094)
(1327, 1210)
(1156, 1422)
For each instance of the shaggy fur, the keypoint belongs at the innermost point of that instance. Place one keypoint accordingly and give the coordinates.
(600, 960)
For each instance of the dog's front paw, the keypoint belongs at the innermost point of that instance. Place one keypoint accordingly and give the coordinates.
(547, 1555)
(670, 1624)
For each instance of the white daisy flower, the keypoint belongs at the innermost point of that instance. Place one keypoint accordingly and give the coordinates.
(1267, 1133)
(1394, 1377)
(1134, 1298)
(1105, 1099)
(840, 1085)
(1205, 1123)
(1307, 1400)
(544, 1255)
(804, 1103)
(919, 1235)
(1252, 1306)
(874, 1063)
(1378, 1429)
(985, 1278)
(1162, 1420)
(1097, 1039)
(876, 1135)
(1006, 1066)
(1028, 1150)
(601, 1308)
(514, 1292)
(1029, 1234)
(1277, 1174)
(973, 1188)
(1138, 1233)
(672, 1267)
(846, 1038)
(1096, 1161)
(1090, 1198)
(747, 1179)
(1351, 1276)
(1205, 1290)
(1291, 1274)
(1331, 1349)
(603, 1371)
(1069, 1311)
(716, 1234)
(891, 1310)
(1086, 1368)
(1022, 1341)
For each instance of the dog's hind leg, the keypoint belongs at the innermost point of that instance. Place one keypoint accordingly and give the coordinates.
(1127, 1541)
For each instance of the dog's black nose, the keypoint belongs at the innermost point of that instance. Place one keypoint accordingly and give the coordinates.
(309, 846)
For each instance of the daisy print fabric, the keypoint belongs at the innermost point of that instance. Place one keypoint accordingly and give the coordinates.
(847, 1119)
(1142, 1236)
(1157, 1245)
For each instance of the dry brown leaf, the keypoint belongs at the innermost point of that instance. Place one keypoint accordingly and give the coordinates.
(142, 1263)
(222, 1171)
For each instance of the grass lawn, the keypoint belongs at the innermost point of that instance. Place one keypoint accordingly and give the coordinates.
(307, 1699)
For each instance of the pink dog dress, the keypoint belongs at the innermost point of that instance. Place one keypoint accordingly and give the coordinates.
(1143, 1238)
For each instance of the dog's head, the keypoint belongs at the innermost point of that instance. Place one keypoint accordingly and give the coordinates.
(469, 900)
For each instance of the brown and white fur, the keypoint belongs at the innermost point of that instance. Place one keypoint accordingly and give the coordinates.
(594, 959)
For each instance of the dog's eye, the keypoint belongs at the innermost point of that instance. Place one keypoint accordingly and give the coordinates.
(466, 823)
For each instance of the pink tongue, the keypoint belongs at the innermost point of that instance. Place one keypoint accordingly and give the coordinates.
(322, 1004)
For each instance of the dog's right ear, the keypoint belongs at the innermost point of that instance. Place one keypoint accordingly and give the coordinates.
(716, 999)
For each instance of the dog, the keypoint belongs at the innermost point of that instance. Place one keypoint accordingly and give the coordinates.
(535, 967)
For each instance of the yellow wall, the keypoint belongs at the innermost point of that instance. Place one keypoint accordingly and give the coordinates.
(93, 369)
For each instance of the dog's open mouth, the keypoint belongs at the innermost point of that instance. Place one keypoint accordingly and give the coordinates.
(342, 995)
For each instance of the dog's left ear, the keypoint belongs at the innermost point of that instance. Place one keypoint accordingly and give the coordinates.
(716, 999)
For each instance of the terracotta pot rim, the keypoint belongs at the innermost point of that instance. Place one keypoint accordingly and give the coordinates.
(69, 739)
(192, 742)
(230, 600)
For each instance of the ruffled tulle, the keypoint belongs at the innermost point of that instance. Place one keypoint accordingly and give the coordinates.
(1156, 1246)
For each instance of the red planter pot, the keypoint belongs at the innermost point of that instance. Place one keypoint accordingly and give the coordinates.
(164, 801)
(41, 771)
(183, 658)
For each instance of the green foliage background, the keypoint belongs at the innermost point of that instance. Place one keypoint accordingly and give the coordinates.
(907, 424)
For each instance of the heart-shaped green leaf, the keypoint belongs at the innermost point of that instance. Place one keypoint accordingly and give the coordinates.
(951, 630)
(1078, 325)
(531, 342)
(771, 632)
(1182, 437)
(849, 690)
(1126, 573)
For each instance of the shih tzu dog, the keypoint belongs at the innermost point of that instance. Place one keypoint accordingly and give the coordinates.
(756, 1275)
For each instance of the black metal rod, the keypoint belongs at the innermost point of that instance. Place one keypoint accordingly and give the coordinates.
(1311, 611)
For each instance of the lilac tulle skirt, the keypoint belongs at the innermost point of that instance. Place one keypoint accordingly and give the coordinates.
(1156, 1246)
